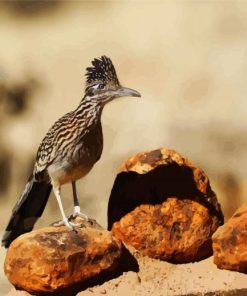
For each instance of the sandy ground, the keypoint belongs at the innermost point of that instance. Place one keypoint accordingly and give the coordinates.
(160, 278)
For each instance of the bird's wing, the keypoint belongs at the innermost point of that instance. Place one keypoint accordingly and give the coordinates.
(58, 138)
(49, 147)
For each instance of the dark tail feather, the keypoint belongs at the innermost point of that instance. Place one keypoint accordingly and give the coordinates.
(27, 210)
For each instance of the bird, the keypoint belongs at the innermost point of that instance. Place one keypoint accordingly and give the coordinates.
(68, 151)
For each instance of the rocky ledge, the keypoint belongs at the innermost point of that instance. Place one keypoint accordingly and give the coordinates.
(53, 258)
(175, 231)
(158, 278)
(230, 242)
(163, 205)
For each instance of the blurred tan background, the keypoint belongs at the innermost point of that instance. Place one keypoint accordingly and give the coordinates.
(187, 58)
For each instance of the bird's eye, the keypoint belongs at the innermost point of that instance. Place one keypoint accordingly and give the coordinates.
(101, 86)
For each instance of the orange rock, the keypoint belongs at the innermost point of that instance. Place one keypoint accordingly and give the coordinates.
(182, 230)
(53, 258)
(230, 242)
(176, 230)
(150, 177)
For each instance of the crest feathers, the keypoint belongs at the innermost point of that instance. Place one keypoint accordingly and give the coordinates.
(102, 71)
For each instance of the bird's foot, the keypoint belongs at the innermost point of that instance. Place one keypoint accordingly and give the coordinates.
(77, 213)
(67, 223)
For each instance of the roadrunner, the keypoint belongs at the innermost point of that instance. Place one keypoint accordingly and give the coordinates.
(68, 151)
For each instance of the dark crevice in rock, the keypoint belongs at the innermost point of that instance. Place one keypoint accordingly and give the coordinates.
(131, 189)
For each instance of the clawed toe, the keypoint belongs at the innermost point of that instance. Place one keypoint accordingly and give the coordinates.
(66, 223)
(77, 213)
(75, 224)
(81, 215)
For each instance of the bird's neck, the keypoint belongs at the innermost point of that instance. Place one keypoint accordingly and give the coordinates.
(91, 109)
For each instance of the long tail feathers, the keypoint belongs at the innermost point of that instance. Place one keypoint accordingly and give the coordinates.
(27, 210)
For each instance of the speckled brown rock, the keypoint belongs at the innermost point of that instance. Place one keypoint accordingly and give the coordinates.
(142, 214)
(52, 258)
(152, 176)
(176, 230)
(144, 162)
(230, 242)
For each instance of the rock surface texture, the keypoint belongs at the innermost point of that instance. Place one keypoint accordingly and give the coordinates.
(176, 230)
(163, 205)
(160, 278)
(52, 258)
(230, 242)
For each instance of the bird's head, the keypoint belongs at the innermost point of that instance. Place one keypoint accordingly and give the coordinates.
(102, 82)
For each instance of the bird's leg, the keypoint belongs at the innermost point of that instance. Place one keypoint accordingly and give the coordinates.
(77, 209)
(65, 221)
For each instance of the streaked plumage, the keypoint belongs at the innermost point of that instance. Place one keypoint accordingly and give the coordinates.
(68, 151)
(76, 138)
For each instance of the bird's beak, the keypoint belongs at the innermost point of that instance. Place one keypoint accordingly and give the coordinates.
(127, 92)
